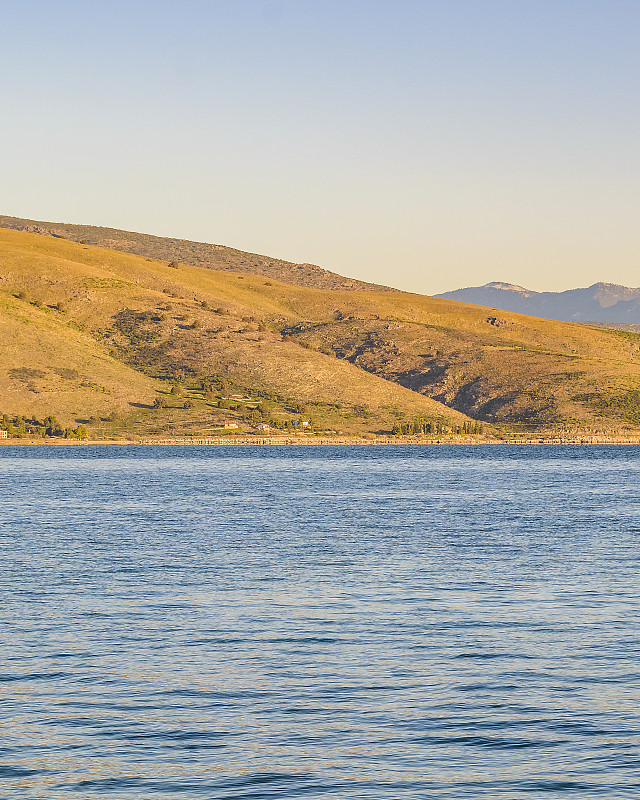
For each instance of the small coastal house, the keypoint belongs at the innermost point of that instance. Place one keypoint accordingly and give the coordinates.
(4, 434)
(230, 424)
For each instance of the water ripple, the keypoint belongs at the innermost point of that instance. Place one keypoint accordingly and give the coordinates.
(357, 623)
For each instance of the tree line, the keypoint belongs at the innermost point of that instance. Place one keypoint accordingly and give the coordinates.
(423, 427)
(19, 426)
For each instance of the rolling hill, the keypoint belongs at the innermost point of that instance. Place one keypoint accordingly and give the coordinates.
(124, 342)
(88, 332)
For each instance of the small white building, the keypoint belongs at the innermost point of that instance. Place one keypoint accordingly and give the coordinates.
(3, 434)
(230, 424)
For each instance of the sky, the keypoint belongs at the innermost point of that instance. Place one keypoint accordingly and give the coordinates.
(424, 144)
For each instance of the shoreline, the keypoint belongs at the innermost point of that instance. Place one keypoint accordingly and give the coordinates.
(278, 441)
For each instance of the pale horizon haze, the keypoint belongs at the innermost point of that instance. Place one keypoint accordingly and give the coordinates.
(425, 145)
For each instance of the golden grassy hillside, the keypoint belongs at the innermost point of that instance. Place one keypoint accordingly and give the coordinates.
(145, 325)
(48, 366)
(352, 360)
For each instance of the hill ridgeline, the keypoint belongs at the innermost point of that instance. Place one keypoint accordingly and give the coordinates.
(196, 254)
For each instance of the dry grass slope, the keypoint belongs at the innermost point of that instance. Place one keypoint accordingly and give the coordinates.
(49, 366)
(145, 323)
(354, 360)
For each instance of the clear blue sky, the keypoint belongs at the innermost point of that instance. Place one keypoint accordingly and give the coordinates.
(429, 145)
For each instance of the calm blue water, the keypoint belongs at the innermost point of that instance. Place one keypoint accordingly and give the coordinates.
(347, 623)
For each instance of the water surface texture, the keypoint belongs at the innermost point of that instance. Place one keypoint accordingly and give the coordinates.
(320, 622)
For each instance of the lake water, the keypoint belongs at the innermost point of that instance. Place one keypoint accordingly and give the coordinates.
(320, 622)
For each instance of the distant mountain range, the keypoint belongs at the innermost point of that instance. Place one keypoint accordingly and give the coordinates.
(602, 302)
